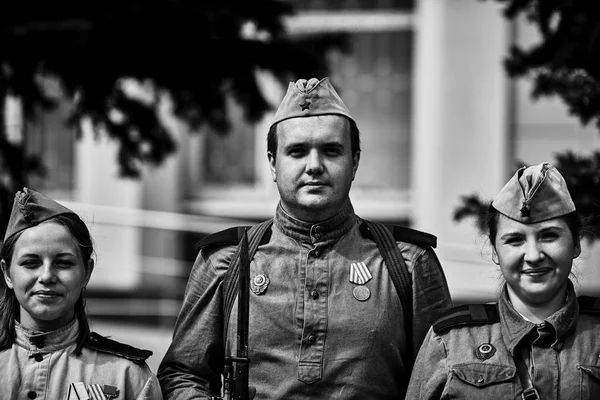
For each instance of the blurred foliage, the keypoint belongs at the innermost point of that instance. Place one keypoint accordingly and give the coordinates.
(564, 63)
(582, 175)
(193, 53)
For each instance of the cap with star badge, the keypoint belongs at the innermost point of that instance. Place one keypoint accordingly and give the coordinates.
(31, 208)
(535, 194)
(307, 98)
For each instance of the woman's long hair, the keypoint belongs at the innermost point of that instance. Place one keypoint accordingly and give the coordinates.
(9, 305)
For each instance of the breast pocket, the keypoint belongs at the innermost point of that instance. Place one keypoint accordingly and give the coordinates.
(589, 382)
(481, 381)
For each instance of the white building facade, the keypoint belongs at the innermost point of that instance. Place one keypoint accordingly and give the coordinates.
(439, 119)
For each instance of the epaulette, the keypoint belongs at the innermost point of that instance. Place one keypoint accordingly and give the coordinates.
(589, 304)
(404, 234)
(102, 344)
(468, 314)
(227, 237)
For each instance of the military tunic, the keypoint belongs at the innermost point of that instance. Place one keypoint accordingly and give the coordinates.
(42, 366)
(476, 360)
(309, 336)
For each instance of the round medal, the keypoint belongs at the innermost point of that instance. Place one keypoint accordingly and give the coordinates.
(361, 293)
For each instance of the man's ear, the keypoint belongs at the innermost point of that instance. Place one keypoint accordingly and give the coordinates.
(355, 161)
(7, 279)
(272, 165)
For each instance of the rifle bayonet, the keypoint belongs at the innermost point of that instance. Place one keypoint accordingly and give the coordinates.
(242, 362)
(235, 385)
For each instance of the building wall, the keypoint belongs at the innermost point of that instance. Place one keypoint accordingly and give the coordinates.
(468, 126)
(464, 128)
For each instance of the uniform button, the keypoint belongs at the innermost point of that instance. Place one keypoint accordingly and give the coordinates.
(312, 339)
(314, 294)
(38, 357)
(32, 395)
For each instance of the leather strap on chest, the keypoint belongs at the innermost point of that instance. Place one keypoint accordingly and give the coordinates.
(383, 238)
(386, 243)
(529, 391)
(232, 276)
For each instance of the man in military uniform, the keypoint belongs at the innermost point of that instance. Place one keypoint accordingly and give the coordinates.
(336, 312)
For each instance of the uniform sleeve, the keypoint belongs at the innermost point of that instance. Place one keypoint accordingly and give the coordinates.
(191, 368)
(151, 390)
(430, 372)
(431, 296)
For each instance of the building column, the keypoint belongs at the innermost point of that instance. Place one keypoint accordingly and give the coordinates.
(460, 141)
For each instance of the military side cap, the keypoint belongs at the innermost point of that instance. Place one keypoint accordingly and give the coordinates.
(309, 98)
(535, 194)
(31, 208)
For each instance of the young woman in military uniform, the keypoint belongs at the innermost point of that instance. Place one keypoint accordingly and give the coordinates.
(46, 348)
(539, 341)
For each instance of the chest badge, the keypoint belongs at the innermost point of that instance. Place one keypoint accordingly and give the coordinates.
(259, 284)
(485, 351)
(110, 392)
(81, 391)
(360, 274)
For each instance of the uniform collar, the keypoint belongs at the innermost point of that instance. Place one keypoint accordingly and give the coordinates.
(558, 326)
(303, 231)
(46, 342)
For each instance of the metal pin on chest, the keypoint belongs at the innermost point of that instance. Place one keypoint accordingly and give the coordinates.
(485, 351)
(259, 284)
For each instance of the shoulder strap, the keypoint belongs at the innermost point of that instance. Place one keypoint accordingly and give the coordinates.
(468, 314)
(529, 391)
(386, 243)
(232, 276)
(227, 237)
(404, 234)
(589, 304)
(102, 344)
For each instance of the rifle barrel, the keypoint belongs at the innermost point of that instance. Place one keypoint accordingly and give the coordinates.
(242, 362)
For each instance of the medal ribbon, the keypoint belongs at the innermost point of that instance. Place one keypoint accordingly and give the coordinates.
(359, 273)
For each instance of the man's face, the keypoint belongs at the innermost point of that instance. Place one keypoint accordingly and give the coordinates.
(314, 166)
